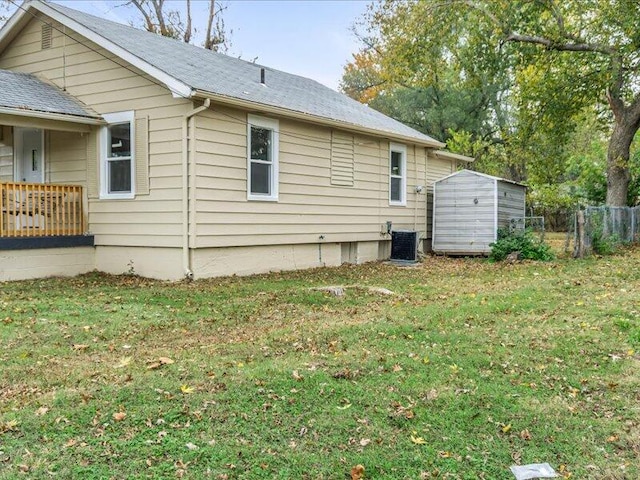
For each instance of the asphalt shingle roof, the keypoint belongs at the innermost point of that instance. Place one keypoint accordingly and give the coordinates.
(22, 91)
(227, 76)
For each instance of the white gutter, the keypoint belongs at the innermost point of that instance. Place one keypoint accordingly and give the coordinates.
(307, 117)
(186, 260)
(453, 156)
(62, 117)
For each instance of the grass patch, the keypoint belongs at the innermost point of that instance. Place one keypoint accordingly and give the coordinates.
(468, 368)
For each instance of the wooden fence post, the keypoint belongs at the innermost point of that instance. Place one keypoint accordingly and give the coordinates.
(579, 250)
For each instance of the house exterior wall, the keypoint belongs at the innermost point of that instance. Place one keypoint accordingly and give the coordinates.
(6, 154)
(437, 168)
(91, 75)
(309, 206)
(39, 263)
(511, 202)
(462, 226)
(66, 157)
(322, 217)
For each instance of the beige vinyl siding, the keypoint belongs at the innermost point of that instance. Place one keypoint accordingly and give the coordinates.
(104, 85)
(66, 157)
(6, 154)
(437, 168)
(309, 205)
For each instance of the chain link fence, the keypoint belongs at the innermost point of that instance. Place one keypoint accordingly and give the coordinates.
(602, 229)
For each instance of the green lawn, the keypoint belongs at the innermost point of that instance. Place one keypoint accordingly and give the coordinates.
(468, 368)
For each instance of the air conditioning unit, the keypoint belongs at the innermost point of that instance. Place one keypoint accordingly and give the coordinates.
(404, 245)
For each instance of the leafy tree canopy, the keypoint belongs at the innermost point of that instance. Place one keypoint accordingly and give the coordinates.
(538, 66)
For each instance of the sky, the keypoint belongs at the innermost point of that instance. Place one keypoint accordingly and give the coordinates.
(311, 38)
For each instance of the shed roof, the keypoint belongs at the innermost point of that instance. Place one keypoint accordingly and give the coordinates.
(499, 179)
(22, 93)
(191, 71)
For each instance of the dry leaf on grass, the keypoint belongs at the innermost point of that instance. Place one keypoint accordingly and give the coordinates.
(41, 411)
(79, 347)
(418, 440)
(296, 376)
(124, 361)
(161, 361)
(119, 416)
(357, 472)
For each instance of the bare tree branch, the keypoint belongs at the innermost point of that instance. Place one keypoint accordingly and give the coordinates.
(559, 46)
(150, 25)
(188, 28)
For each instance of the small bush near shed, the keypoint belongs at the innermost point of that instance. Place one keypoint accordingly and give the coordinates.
(523, 242)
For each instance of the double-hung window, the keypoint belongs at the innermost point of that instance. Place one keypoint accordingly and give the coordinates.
(262, 158)
(397, 174)
(117, 156)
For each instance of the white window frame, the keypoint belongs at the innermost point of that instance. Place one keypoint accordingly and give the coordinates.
(402, 149)
(115, 118)
(273, 125)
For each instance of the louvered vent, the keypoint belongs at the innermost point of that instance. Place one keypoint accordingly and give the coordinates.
(46, 36)
(341, 159)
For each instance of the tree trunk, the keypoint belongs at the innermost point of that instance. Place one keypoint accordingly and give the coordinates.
(618, 174)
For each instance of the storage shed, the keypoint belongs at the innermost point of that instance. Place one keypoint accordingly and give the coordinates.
(468, 209)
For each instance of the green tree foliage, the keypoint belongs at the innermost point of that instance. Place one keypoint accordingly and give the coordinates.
(537, 65)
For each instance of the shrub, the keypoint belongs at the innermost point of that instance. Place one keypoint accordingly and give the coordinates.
(524, 242)
(604, 245)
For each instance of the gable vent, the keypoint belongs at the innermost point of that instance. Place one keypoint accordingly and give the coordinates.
(46, 36)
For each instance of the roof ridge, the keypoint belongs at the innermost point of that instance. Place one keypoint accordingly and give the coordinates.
(189, 70)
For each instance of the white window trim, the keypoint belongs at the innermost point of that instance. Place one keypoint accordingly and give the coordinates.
(110, 118)
(402, 149)
(273, 125)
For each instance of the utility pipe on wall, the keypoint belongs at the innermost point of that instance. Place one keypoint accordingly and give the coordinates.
(186, 260)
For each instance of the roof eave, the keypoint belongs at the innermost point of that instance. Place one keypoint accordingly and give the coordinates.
(64, 117)
(453, 156)
(177, 88)
(285, 112)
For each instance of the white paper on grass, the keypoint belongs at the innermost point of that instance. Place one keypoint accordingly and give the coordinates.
(533, 470)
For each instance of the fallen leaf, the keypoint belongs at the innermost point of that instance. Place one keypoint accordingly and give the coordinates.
(185, 389)
(357, 472)
(525, 434)
(364, 442)
(344, 407)
(124, 361)
(191, 446)
(296, 376)
(70, 443)
(41, 411)
(154, 364)
(397, 368)
(79, 347)
(418, 440)
(506, 428)
(119, 416)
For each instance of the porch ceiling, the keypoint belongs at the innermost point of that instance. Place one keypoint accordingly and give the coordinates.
(22, 94)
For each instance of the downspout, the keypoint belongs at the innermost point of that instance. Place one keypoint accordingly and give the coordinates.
(186, 260)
